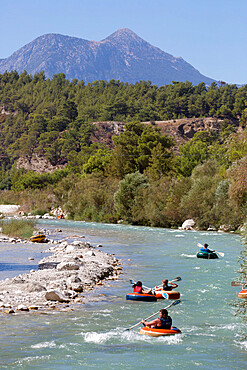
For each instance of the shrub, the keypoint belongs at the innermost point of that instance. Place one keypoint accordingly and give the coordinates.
(18, 228)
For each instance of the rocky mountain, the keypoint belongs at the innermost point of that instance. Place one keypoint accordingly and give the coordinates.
(122, 56)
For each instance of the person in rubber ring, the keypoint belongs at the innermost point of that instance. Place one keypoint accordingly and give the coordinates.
(138, 288)
(206, 249)
(165, 285)
(163, 322)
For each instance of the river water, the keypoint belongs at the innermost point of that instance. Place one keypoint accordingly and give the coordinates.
(213, 337)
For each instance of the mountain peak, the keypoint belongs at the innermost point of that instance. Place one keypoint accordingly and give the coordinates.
(121, 56)
(122, 34)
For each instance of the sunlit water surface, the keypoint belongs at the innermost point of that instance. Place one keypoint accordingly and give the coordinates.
(94, 337)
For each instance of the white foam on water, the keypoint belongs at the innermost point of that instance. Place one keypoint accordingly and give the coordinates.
(179, 236)
(98, 315)
(128, 336)
(213, 286)
(243, 345)
(188, 255)
(205, 334)
(80, 324)
(172, 339)
(51, 344)
(98, 338)
(191, 329)
(196, 268)
(32, 358)
(226, 326)
(214, 233)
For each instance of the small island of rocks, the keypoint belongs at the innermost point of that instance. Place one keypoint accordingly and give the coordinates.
(61, 279)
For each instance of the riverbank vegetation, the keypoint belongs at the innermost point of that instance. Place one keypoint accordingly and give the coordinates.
(241, 304)
(18, 228)
(137, 178)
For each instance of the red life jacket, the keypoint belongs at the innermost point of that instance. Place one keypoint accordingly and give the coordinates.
(137, 289)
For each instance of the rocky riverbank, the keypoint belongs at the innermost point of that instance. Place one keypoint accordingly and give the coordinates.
(62, 279)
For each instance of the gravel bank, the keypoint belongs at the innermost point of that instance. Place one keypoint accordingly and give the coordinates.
(62, 278)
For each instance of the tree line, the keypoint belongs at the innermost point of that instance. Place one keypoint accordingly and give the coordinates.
(140, 180)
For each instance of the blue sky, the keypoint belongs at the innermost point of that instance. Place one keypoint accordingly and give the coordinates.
(209, 34)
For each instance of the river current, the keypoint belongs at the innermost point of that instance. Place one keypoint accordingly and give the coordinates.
(213, 337)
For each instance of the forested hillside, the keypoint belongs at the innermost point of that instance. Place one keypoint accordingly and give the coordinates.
(134, 175)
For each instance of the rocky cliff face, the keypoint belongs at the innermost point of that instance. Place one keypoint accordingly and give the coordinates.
(181, 129)
(37, 163)
(185, 128)
(122, 56)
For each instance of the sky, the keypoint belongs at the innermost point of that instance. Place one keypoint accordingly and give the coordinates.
(211, 35)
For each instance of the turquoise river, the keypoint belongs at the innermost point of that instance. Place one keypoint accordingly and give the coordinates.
(213, 336)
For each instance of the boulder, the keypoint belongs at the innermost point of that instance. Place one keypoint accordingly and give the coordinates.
(48, 265)
(10, 311)
(188, 224)
(77, 287)
(21, 307)
(73, 280)
(67, 266)
(35, 287)
(77, 243)
(9, 209)
(54, 295)
(90, 253)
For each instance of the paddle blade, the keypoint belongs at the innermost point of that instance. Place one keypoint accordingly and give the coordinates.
(236, 283)
(176, 302)
(178, 278)
(221, 254)
(131, 281)
(199, 245)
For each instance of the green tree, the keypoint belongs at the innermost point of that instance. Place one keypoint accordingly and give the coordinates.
(198, 202)
(194, 152)
(126, 196)
(136, 145)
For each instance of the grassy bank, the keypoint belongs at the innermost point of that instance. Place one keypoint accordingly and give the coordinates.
(18, 228)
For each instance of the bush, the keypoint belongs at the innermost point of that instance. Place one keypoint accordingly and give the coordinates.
(30, 200)
(18, 228)
(126, 197)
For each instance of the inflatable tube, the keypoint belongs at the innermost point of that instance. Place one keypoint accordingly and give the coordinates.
(242, 293)
(206, 255)
(172, 294)
(141, 297)
(159, 332)
(60, 217)
(38, 238)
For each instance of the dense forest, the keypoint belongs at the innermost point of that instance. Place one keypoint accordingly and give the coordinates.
(138, 179)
